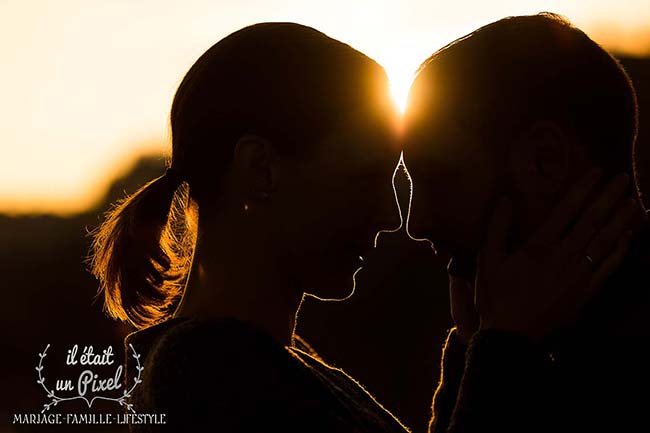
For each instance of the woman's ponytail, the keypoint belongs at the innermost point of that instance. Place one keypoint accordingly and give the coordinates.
(267, 79)
(141, 253)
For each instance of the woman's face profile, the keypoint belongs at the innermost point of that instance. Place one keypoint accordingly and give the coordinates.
(337, 198)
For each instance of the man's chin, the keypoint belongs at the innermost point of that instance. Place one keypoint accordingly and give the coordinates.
(448, 248)
(440, 241)
(418, 232)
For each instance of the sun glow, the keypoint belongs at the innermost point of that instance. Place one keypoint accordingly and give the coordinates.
(81, 102)
(400, 68)
(401, 57)
(400, 82)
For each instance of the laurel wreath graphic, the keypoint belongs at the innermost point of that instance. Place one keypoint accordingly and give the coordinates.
(122, 400)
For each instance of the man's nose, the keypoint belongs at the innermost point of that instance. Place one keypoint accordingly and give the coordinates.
(388, 216)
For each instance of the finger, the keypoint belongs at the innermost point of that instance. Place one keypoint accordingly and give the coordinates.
(463, 312)
(605, 240)
(495, 246)
(594, 217)
(611, 263)
(461, 291)
(567, 209)
(575, 291)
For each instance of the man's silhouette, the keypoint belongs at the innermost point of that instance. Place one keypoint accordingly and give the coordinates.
(524, 107)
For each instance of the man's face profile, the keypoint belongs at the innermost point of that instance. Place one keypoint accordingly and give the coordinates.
(452, 170)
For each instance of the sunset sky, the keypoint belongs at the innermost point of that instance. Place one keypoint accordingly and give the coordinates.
(87, 85)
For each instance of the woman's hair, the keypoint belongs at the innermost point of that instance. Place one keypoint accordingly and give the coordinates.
(282, 81)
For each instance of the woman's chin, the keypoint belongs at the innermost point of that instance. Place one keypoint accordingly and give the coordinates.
(338, 289)
(336, 283)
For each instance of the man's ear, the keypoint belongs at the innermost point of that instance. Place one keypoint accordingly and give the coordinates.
(252, 166)
(540, 160)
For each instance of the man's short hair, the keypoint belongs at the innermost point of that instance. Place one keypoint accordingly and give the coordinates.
(506, 75)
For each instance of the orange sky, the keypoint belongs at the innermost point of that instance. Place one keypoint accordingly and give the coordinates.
(87, 85)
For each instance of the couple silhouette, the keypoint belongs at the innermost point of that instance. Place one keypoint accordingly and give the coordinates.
(519, 138)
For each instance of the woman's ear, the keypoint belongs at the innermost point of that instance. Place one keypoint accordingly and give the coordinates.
(540, 160)
(252, 167)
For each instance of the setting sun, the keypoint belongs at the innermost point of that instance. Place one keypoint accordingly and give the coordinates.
(401, 58)
(87, 87)
(400, 82)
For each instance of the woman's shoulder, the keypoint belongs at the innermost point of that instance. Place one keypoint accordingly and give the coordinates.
(201, 369)
(192, 347)
(219, 337)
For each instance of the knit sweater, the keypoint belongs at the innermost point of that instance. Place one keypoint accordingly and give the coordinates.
(228, 376)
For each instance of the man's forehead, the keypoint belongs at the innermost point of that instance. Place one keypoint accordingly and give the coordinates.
(425, 129)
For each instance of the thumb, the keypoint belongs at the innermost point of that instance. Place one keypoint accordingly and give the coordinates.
(461, 291)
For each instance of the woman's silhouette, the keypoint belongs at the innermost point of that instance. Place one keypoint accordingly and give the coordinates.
(283, 146)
